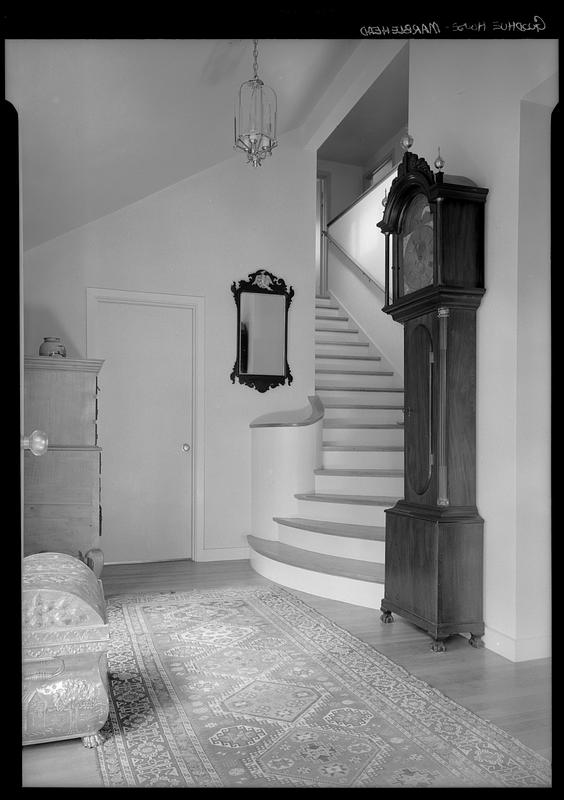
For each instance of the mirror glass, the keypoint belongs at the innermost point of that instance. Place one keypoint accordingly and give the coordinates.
(262, 346)
(262, 331)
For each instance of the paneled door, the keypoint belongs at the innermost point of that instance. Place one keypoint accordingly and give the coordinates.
(146, 423)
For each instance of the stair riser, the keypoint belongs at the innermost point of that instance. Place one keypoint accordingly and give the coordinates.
(359, 484)
(388, 396)
(341, 546)
(330, 337)
(348, 363)
(380, 436)
(325, 311)
(346, 349)
(353, 513)
(347, 590)
(351, 459)
(328, 321)
(369, 381)
(377, 415)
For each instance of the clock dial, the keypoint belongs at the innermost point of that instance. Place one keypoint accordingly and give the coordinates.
(418, 259)
(416, 245)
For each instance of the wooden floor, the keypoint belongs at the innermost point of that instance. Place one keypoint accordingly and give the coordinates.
(516, 697)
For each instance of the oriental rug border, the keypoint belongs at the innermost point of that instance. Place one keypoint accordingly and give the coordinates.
(251, 687)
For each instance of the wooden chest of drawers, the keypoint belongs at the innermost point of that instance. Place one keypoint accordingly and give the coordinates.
(65, 638)
(62, 487)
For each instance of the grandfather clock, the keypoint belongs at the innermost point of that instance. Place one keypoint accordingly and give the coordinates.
(434, 228)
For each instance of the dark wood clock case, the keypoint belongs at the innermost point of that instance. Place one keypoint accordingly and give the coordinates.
(434, 535)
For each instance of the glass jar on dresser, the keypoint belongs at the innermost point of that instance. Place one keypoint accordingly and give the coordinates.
(62, 511)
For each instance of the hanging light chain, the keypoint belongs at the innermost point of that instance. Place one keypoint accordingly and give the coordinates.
(255, 57)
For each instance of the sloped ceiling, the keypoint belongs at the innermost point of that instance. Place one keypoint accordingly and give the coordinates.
(106, 122)
(379, 114)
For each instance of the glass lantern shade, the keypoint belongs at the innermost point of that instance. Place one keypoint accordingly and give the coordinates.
(255, 121)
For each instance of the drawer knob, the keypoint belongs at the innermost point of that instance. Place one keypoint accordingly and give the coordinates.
(37, 442)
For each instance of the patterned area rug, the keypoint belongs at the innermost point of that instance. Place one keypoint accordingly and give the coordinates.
(250, 687)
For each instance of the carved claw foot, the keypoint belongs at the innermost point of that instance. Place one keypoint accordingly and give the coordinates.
(475, 641)
(92, 740)
(386, 616)
(438, 646)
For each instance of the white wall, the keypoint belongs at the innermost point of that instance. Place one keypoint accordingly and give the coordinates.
(465, 96)
(344, 185)
(533, 430)
(197, 237)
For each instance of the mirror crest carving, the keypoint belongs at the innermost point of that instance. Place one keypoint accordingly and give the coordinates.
(262, 331)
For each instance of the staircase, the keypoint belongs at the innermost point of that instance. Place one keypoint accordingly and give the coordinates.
(334, 546)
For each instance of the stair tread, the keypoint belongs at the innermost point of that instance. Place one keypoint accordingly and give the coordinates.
(334, 317)
(331, 387)
(372, 406)
(337, 330)
(347, 357)
(347, 529)
(318, 562)
(354, 499)
(350, 423)
(353, 372)
(335, 343)
(363, 448)
(361, 473)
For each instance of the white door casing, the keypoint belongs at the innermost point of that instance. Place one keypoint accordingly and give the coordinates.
(151, 412)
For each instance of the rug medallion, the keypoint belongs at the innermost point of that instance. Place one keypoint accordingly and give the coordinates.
(251, 687)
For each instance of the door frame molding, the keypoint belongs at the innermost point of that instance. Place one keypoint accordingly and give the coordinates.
(324, 179)
(95, 296)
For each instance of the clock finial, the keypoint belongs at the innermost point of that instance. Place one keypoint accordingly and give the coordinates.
(406, 141)
(439, 162)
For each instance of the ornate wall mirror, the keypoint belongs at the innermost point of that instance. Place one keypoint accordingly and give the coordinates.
(262, 331)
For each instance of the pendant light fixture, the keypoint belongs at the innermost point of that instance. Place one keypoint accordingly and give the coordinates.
(255, 117)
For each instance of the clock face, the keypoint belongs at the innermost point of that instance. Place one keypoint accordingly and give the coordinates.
(416, 245)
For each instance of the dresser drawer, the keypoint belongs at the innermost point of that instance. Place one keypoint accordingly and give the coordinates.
(62, 501)
(61, 529)
(63, 404)
(60, 476)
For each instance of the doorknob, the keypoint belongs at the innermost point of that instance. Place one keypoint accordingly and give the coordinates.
(186, 447)
(37, 442)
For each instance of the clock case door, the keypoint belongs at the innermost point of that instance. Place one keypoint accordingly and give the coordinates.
(434, 534)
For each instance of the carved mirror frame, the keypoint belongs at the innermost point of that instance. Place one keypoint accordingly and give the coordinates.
(262, 282)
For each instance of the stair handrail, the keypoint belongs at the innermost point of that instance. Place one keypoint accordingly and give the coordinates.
(292, 419)
(354, 264)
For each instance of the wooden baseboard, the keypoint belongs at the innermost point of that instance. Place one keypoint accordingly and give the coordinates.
(518, 649)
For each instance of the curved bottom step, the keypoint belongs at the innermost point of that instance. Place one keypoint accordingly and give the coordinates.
(360, 583)
(339, 539)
